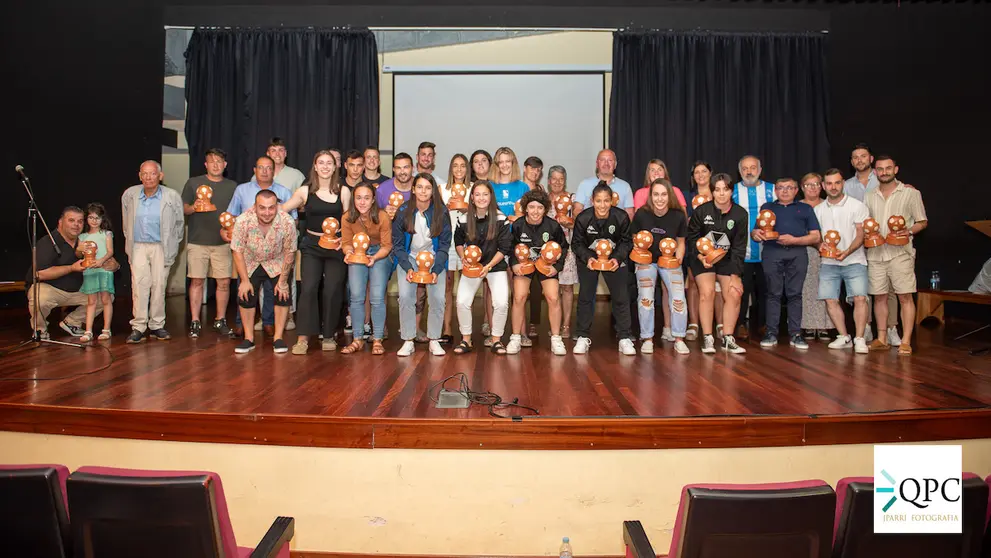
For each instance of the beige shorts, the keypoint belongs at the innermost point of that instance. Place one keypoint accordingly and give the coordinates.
(209, 261)
(896, 275)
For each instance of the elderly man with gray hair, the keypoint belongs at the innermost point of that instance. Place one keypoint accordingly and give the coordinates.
(152, 219)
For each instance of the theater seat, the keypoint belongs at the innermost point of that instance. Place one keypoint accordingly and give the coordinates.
(780, 520)
(987, 525)
(854, 535)
(35, 523)
(122, 513)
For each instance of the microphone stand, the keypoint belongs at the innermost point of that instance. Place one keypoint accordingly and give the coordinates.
(33, 214)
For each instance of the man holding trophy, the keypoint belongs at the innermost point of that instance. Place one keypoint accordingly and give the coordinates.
(207, 255)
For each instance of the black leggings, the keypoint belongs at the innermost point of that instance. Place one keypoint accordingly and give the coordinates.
(259, 277)
(619, 297)
(536, 301)
(332, 272)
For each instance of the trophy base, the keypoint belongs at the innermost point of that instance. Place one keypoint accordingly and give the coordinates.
(566, 221)
(471, 271)
(355, 258)
(874, 241)
(668, 262)
(771, 235)
(544, 267)
(828, 252)
(527, 268)
(897, 240)
(457, 205)
(715, 256)
(424, 277)
(90, 264)
(205, 208)
(641, 256)
(329, 243)
(601, 265)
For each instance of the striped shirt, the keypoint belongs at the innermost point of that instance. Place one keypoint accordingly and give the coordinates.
(751, 199)
(903, 201)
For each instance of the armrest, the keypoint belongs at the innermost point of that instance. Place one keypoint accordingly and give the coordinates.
(637, 544)
(280, 533)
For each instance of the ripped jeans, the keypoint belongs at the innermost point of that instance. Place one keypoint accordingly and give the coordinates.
(674, 280)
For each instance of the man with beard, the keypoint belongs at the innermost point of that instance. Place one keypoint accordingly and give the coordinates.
(892, 268)
(425, 155)
(751, 193)
(844, 214)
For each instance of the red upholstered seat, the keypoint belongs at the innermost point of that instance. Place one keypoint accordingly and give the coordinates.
(128, 512)
(853, 525)
(778, 520)
(33, 507)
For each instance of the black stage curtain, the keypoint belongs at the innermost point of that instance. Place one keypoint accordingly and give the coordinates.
(315, 88)
(687, 96)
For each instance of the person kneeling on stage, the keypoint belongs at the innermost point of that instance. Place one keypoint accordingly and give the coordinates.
(724, 224)
(597, 228)
(486, 228)
(534, 230)
(264, 247)
(664, 218)
(372, 272)
(421, 225)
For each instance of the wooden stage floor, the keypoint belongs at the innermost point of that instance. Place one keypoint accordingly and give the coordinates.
(198, 390)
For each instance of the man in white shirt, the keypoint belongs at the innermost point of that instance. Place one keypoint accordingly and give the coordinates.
(284, 174)
(844, 214)
(605, 168)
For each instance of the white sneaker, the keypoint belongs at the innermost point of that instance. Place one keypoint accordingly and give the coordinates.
(647, 347)
(681, 348)
(730, 346)
(436, 349)
(258, 325)
(868, 334)
(407, 348)
(693, 332)
(860, 346)
(893, 338)
(557, 346)
(581, 346)
(666, 335)
(719, 331)
(626, 347)
(290, 323)
(708, 345)
(513, 347)
(841, 342)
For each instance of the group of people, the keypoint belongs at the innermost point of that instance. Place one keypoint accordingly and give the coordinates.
(352, 227)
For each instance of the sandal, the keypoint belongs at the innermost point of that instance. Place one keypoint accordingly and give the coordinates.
(904, 349)
(463, 347)
(354, 347)
(446, 339)
(377, 348)
(104, 335)
(498, 348)
(86, 337)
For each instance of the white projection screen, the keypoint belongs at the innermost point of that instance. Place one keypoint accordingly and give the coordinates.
(558, 117)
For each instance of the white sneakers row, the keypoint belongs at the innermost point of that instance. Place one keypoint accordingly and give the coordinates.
(843, 342)
(558, 348)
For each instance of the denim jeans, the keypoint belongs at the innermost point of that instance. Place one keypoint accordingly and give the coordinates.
(674, 280)
(407, 305)
(376, 280)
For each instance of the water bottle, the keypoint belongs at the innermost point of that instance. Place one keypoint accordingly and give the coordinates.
(934, 281)
(566, 548)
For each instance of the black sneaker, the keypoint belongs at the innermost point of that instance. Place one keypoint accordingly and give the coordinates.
(244, 346)
(194, 329)
(72, 330)
(221, 327)
(279, 346)
(135, 336)
(161, 334)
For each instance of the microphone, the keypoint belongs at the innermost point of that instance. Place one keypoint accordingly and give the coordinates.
(20, 171)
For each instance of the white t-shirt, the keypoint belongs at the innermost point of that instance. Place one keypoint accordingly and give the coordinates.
(421, 241)
(289, 177)
(843, 218)
(445, 194)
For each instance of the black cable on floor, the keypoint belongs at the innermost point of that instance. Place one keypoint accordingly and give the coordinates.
(486, 398)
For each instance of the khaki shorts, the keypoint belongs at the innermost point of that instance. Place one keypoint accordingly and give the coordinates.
(896, 275)
(215, 260)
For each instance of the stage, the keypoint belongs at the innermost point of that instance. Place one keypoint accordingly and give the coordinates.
(199, 391)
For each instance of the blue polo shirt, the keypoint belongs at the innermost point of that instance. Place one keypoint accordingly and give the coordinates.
(244, 197)
(148, 218)
(796, 219)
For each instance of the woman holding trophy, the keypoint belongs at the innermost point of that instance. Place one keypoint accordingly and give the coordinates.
(421, 239)
(561, 204)
(455, 194)
(366, 239)
(718, 230)
(483, 239)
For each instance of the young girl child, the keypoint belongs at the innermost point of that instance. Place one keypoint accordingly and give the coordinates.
(483, 225)
(534, 230)
(421, 225)
(373, 277)
(97, 282)
(457, 173)
(557, 183)
(662, 217)
(602, 221)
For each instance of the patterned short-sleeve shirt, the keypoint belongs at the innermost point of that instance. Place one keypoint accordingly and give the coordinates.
(268, 249)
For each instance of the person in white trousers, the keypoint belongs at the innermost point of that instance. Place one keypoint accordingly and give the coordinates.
(152, 219)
